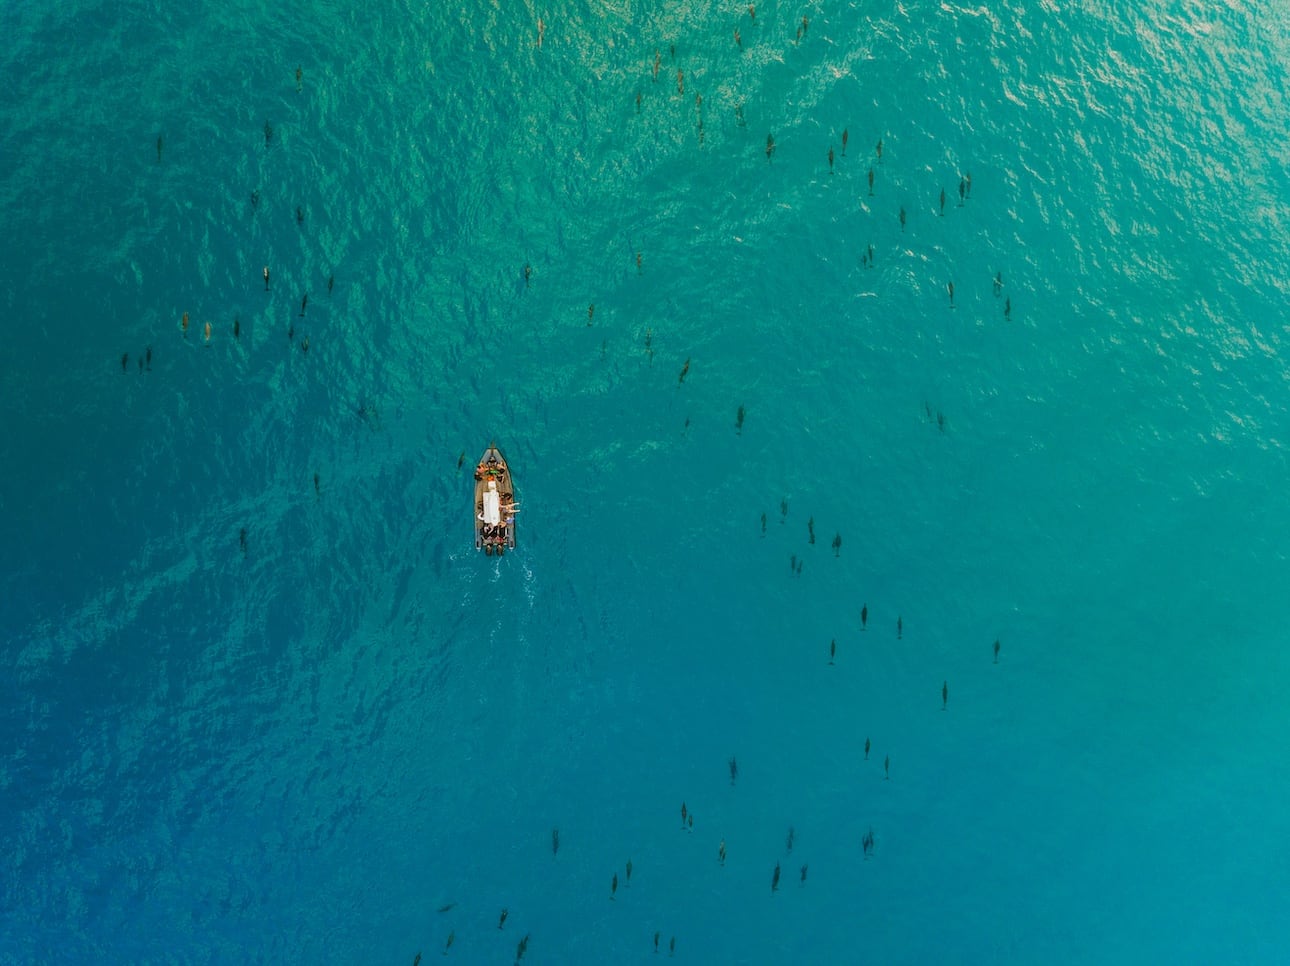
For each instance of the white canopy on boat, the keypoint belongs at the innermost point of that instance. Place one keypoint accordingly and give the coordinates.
(492, 514)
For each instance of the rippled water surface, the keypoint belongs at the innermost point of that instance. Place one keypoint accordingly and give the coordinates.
(263, 701)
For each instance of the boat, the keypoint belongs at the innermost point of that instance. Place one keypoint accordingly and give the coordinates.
(495, 505)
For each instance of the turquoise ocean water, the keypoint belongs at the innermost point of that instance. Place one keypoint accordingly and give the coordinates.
(351, 739)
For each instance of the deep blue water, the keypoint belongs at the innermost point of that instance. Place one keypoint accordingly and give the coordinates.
(352, 740)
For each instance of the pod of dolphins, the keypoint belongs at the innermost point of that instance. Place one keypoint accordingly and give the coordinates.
(836, 164)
